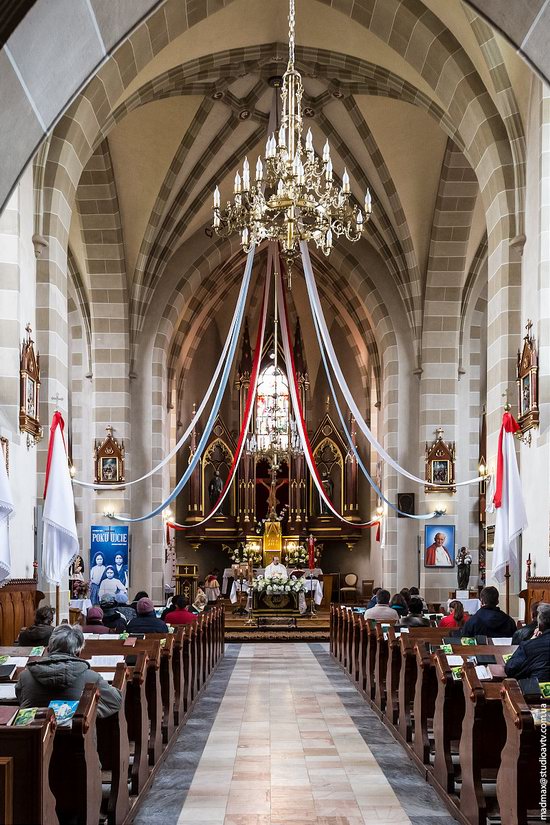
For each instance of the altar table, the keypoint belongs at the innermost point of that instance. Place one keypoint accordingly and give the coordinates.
(316, 589)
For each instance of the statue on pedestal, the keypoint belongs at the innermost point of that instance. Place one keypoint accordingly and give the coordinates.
(463, 564)
(328, 487)
(214, 489)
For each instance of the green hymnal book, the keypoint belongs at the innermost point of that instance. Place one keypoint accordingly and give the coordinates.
(3, 659)
(467, 640)
(24, 717)
(123, 636)
(446, 648)
(64, 711)
(37, 651)
(457, 673)
(506, 657)
(545, 689)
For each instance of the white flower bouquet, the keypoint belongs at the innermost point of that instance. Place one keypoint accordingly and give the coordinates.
(278, 584)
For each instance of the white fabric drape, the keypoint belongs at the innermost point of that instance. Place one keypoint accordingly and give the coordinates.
(60, 540)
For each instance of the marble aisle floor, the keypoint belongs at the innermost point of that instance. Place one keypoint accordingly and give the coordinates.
(281, 737)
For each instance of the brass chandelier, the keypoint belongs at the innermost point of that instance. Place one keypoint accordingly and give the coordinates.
(294, 196)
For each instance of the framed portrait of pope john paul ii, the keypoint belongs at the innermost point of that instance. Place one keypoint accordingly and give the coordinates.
(439, 545)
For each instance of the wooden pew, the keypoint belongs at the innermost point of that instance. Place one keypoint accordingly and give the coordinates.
(402, 672)
(114, 753)
(116, 647)
(362, 651)
(370, 660)
(30, 749)
(518, 779)
(482, 740)
(6, 790)
(381, 663)
(449, 710)
(75, 772)
(332, 628)
(188, 677)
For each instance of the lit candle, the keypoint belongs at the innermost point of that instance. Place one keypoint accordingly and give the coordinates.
(359, 219)
(329, 238)
(282, 138)
(328, 170)
(326, 152)
(237, 187)
(246, 175)
(345, 182)
(309, 141)
(259, 170)
(368, 202)
(216, 198)
(244, 236)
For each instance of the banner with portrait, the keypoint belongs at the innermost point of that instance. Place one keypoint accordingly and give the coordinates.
(109, 561)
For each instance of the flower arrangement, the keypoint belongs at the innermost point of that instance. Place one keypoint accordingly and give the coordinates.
(244, 553)
(296, 554)
(259, 528)
(80, 589)
(278, 584)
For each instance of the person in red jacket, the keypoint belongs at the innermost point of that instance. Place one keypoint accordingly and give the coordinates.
(456, 618)
(181, 615)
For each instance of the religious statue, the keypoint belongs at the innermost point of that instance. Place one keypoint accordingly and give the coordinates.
(215, 488)
(328, 487)
(463, 564)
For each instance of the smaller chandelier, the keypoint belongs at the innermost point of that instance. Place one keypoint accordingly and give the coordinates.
(294, 196)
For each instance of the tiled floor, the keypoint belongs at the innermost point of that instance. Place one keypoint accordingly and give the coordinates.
(280, 737)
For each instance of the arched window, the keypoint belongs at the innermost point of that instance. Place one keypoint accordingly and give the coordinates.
(272, 410)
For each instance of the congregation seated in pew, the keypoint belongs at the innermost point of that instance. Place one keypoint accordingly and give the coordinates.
(40, 632)
(382, 610)
(94, 621)
(62, 674)
(400, 604)
(141, 594)
(457, 618)
(532, 658)
(112, 617)
(123, 607)
(526, 632)
(181, 613)
(146, 620)
(490, 620)
(414, 618)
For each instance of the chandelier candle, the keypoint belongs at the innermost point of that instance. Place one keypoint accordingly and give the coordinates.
(294, 197)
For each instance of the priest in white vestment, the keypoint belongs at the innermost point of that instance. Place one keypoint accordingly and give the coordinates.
(275, 569)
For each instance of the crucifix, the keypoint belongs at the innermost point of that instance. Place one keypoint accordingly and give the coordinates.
(56, 399)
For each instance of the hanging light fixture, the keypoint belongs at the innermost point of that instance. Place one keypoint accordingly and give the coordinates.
(294, 196)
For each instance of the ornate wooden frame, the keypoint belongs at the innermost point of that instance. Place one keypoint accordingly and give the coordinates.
(29, 388)
(527, 382)
(440, 465)
(109, 454)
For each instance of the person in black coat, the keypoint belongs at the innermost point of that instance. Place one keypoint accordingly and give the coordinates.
(490, 620)
(532, 658)
(524, 633)
(146, 620)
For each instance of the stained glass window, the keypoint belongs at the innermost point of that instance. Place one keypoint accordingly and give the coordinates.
(272, 409)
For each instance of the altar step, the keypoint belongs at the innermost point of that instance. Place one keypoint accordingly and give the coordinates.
(279, 629)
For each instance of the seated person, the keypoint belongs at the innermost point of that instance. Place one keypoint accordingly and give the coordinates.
(490, 620)
(373, 601)
(532, 658)
(406, 593)
(414, 591)
(200, 599)
(112, 617)
(398, 602)
(61, 674)
(415, 617)
(526, 632)
(94, 621)
(181, 614)
(110, 585)
(382, 610)
(457, 617)
(39, 633)
(141, 594)
(170, 606)
(146, 620)
(123, 607)
(275, 568)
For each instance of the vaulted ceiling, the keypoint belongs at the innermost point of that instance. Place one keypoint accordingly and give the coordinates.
(194, 110)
